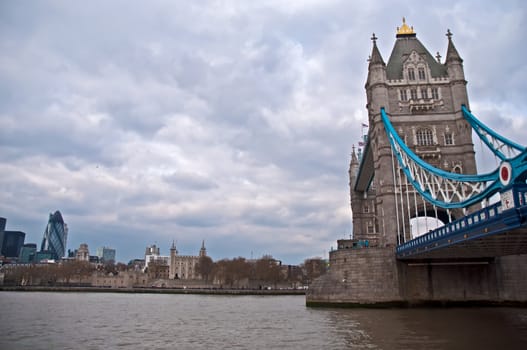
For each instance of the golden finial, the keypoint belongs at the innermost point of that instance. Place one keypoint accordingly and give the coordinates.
(405, 29)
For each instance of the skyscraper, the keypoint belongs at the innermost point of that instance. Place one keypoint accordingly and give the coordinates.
(55, 236)
(106, 254)
(10, 241)
(2, 224)
(27, 253)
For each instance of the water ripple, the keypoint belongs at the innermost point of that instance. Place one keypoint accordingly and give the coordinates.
(162, 321)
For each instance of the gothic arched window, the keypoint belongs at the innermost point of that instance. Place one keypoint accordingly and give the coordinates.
(411, 74)
(421, 73)
(449, 139)
(424, 137)
(435, 93)
(404, 96)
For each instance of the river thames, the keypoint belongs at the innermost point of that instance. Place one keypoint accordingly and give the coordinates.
(53, 320)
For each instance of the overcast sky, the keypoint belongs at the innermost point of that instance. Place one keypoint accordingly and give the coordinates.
(226, 121)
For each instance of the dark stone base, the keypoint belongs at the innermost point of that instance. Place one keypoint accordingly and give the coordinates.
(372, 277)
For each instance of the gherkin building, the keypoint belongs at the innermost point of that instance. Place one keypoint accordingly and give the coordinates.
(55, 236)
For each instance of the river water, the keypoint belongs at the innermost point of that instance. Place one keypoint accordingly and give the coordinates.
(40, 320)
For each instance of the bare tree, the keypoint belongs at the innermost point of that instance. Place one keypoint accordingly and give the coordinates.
(240, 270)
(267, 270)
(204, 267)
(231, 272)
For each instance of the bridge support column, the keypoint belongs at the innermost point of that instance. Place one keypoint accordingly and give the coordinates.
(373, 277)
(358, 277)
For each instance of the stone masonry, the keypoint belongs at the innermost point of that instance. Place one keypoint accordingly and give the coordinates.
(423, 98)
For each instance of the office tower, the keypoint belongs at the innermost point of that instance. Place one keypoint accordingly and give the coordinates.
(55, 236)
(106, 254)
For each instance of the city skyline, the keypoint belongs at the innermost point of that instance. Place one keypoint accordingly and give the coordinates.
(229, 122)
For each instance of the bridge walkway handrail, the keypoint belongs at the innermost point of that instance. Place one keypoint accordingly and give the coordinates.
(496, 216)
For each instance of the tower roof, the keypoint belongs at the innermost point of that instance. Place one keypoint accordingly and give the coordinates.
(451, 52)
(375, 57)
(404, 45)
(56, 217)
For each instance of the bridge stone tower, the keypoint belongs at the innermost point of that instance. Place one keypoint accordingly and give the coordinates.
(423, 98)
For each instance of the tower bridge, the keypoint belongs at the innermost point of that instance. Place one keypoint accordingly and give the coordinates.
(419, 162)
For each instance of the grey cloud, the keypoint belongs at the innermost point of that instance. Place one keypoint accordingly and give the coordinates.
(225, 121)
(190, 181)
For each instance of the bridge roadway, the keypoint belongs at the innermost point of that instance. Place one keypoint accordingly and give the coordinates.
(497, 230)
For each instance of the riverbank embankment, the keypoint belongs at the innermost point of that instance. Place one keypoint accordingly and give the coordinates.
(213, 291)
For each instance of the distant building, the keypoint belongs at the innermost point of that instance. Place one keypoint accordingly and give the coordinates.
(106, 254)
(184, 266)
(152, 250)
(123, 279)
(136, 264)
(55, 236)
(27, 253)
(10, 241)
(83, 253)
(44, 255)
(152, 255)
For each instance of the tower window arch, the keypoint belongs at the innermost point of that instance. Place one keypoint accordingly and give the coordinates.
(424, 137)
(421, 73)
(411, 74)
(457, 169)
(404, 96)
(449, 139)
(435, 93)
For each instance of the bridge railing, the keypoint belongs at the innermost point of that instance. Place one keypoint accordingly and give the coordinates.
(492, 219)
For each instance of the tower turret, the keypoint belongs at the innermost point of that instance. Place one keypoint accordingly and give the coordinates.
(354, 167)
(202, 251)
(376, 89)
(456, 73)
(173, 250)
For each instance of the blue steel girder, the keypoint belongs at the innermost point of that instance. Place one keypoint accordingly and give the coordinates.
(497, 230)
(495, 142)
(451, 190)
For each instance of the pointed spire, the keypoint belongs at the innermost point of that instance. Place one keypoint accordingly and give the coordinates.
(354, 166)
(451, 53)
(354, 158)
(375, 57)
(203, 251)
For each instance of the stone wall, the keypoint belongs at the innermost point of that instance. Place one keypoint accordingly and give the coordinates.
(372, 276)
(448, 281)
(357, 276)
(511, 275)
(494, 280)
